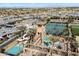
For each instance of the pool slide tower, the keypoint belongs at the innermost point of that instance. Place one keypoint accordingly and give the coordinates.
(40, 31)
(45, 38)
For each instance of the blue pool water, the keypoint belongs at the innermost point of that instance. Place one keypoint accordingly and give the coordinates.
(47, 42)
(15, 50)
(55, 28)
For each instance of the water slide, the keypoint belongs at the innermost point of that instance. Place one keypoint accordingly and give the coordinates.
(26, 37)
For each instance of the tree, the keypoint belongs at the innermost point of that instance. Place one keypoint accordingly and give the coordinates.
(47, 20)
(31, 33)
(70, 19)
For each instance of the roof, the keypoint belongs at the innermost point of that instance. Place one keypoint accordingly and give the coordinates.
(4, 30)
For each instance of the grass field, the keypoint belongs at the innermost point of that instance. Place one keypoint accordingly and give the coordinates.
(1, 42)
(75, 30)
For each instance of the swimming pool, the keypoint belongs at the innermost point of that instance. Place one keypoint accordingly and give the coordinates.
(15, 50)
(56, 28)
(47, 42)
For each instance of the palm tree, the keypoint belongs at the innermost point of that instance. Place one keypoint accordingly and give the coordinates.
(70, 19)
(48, 20)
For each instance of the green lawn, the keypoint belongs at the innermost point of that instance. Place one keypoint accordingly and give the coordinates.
(75, 30)
(1, 42)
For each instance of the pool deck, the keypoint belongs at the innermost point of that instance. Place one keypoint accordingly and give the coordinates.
(10, 45)
(1, 54)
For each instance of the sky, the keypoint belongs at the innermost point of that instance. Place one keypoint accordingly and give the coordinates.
(37, 5)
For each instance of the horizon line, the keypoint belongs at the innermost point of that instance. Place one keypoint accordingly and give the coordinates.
(37, 5)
